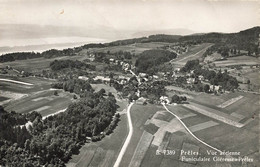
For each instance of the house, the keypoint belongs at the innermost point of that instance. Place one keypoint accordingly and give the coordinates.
(155, 77)
(145, 79)
(91, 57)
(111, 60)
(218, 88)
(191, 80)
(161, 74)
(122, 82)
(177, 69)
(125, 66)
(104, 79)
(214, 88)
(142, 74)
(83, 78)
(201, 78)
(164, 99)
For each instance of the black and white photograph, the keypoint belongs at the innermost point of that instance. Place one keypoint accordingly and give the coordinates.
(129, 83)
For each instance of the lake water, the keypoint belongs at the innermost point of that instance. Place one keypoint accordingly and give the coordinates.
(42, 44)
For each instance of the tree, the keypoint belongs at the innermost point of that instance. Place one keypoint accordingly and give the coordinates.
(55, 93)
(248, 81)
(206, 88)
(175, 99)
(135, 97)
(111, 75)
(27, 144)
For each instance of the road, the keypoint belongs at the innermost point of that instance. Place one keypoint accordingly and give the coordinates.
(190, 131)
(129, 136)
(18, 82)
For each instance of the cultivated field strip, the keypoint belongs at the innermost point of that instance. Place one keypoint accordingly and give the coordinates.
(203, 125)
(220, 116)
(107, 159)
(165, 141)
(141, 149)
(88, 157)
(229, 102)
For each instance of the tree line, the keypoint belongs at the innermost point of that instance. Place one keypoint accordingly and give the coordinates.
(57, 65)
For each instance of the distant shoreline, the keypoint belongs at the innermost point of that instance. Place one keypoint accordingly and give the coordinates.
(41, 47)
(38, 48)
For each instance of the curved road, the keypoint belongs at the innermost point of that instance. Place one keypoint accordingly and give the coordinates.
(190, 131)
(129, 136)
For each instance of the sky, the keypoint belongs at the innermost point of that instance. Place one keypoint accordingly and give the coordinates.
(134, 15)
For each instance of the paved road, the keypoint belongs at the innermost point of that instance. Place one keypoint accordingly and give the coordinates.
(129, 136)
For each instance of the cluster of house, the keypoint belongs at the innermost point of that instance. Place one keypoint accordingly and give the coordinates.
(91, 57)
(125, 66)
(119, 79)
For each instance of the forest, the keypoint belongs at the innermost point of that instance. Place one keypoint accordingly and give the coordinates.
(150, 59)
(247, 40)
(52, 141)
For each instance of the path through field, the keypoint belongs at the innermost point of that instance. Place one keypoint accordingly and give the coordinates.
(190, 131)
(18, 82)
(129, 136)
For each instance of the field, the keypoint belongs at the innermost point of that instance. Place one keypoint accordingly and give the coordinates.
(240, 60)
(36, 97)
(43, 101)
(38, 64)
(133, 48)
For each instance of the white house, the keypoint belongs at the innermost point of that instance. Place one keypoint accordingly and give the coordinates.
(101, 78)
(164, 99)
(191, 80)
(216, 88)
(201, 78)
(155, 77)
(111, 60)
(142, 74)
(83, 78)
